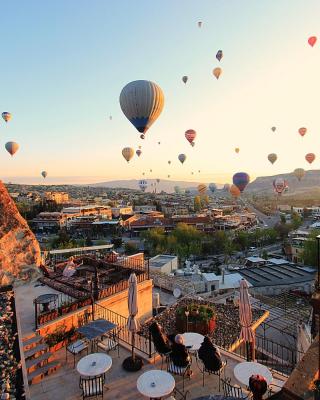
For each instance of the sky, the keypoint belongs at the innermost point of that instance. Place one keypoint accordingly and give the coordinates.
(64, 64)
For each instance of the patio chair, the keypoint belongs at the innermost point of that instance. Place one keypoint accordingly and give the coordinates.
(177, 395)
(76, 348)
(110, 341)
(233, 391)
(179, 371)
(205, 370)
(92, 387)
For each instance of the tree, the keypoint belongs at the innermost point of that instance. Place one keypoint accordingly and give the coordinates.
(117, 242)
(155, 240)
(296, 220)
(310, 249)
(197, 204)
(130, 248)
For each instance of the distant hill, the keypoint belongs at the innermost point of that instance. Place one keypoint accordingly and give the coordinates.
(309, 184)
(165, 185)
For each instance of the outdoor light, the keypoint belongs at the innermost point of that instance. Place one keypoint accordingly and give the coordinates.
(187, 315)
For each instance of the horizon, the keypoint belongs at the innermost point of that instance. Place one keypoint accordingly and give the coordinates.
(67, 63)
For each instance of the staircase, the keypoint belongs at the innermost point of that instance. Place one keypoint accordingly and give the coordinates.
(39, 360)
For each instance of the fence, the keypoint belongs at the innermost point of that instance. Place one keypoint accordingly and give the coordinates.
(142, 343)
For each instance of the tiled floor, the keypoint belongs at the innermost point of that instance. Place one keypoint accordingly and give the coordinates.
(64, 384)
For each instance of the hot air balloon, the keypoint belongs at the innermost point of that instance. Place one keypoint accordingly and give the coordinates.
(279, 185)
(6, 116)
(44, 174)
(237, 150)
(302, 131)
(110, 117)
(219, 55)
(241, 180)
(200, 24)
(158, 180)
(312, 40)
(12, 147)
(143, 184)
(299, 173)
(310, 157)
(139, 147)
(159, 142)
(234, 191)
(217, 72)
(199, 171)
(212, 187)
(142, 136)
(141, 102)
(272, 157)
(185, 79)
(143, 173)
(192, 173)
(202, 188)
(273, 129)
(138, 152)
(168, 176)
(150, 170)
(192, 144)
(226, 187)
(177, 189)
(190, 135)
(127, 153)
(182, 158)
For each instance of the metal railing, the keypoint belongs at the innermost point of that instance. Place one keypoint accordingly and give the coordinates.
(142, 343)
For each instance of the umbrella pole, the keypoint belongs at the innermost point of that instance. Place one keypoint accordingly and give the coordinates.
(132, 343)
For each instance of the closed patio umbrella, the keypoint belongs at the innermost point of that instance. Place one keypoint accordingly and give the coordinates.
(245, 314)
(133, 363)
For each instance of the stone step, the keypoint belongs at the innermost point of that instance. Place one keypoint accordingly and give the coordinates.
(29, 336)
(37, 375)
(40, 348)
(32, 342)
(33, 363)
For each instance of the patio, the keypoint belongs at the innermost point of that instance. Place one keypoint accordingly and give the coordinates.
(64, 384)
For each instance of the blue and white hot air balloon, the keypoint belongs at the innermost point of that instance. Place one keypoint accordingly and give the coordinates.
(212, 187)
(143, 184)
(141, 102)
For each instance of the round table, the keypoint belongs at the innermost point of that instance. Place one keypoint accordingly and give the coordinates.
(244, 370)
(192, 340)
(155, 384)
(94, 364)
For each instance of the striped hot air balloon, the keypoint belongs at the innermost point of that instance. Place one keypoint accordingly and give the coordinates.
(143, 184)
(310, 157)
(190, 135)
(12, 147)
(202, 188)
(141, 102)
(241, 180)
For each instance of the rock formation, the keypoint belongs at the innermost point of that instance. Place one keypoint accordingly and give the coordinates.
(19, 249)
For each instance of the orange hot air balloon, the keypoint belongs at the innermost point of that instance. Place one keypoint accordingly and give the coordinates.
(217, 72)
(272, 157)
(234, 191)
(310, 157)
(237, 150)
(302, 131)
(202, 188)
(128, 153)
(312, 40)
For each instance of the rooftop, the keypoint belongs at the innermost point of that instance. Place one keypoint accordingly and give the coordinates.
(160, 260)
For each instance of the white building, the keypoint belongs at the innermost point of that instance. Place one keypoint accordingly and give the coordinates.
(163, 263)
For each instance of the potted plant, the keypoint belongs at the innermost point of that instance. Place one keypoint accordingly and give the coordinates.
(56, 339)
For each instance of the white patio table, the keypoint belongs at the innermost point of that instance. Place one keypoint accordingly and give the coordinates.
(244, 370)
(94, 364)
(192, 341)
(155, 384)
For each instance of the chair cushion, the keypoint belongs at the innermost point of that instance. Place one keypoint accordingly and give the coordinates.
(77, 346)
(92, 390)
(107, 344)
(174, 369)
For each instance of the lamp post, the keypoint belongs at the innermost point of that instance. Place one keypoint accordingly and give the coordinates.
(316, 314)
(187, 315)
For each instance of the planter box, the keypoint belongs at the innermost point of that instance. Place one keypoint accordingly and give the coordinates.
(202, 327)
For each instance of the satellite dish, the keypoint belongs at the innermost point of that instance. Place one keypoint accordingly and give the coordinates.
(177, 293)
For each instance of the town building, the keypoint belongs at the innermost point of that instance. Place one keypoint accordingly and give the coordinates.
(163, 263)
(58, 197)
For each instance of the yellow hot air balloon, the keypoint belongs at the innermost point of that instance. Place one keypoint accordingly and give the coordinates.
(202, 188)
(237, 150)
(128, 153)
(217, 72)
(272, 157)
(234, 191)
(299, 173)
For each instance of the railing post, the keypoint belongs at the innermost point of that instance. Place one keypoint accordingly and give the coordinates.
(150, 348)
(148, 268)
(36, 314)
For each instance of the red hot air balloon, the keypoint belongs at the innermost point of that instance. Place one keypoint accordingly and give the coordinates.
(302, 131)
(312, 40)
(190, 135)
(310, 157)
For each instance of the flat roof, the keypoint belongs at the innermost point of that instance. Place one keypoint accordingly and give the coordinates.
(254, 259)
(88, 248)
(274, 275)
(161, 260)
(277, 261)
